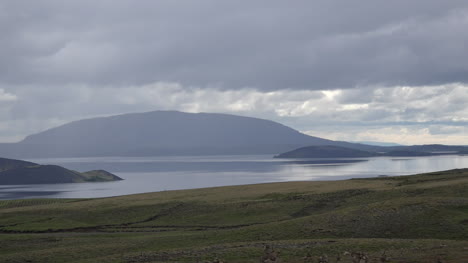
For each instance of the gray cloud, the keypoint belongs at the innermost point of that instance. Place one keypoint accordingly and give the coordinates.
(261, 44)
(338, 114)
(367, 70)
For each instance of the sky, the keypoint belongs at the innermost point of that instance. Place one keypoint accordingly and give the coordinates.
(368, 70)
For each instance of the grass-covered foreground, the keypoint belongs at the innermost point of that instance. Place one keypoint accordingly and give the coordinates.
(418, 218)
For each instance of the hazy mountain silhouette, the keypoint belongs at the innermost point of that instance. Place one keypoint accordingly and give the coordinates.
(166, 133)
(328, 151)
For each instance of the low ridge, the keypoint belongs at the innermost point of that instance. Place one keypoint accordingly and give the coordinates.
(14, 172)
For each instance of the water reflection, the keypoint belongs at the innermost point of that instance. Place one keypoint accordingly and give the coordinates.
(149, 174)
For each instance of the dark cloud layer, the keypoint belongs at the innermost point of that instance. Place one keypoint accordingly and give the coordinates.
(350, 70)
(262, 44)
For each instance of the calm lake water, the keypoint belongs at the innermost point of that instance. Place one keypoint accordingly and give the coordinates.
(150, 174)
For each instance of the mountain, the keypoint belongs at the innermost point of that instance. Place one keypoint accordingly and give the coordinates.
(326, 152)
(166, 133)
(21, 172)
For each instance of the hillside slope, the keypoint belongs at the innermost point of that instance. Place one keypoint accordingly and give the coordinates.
(6, 164)
(417, 218)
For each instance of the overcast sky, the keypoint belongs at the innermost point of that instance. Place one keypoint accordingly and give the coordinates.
(373, 70)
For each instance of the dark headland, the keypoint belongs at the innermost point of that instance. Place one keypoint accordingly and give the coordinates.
(16, 172)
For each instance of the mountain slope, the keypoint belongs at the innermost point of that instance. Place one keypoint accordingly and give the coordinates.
(417, 218)
(167, 133)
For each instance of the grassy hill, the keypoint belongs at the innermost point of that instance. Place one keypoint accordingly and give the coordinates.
(417, 218)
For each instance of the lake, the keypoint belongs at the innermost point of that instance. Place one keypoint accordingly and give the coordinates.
(151, 174)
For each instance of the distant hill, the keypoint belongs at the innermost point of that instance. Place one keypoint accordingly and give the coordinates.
(407, 153)
(400, 151)
(166, 133)
(432, 148)
(379, 143)
(21, 172)
(326, 152)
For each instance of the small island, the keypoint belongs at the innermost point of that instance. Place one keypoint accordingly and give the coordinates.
(13, 172)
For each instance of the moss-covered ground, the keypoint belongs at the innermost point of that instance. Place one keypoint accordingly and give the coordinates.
(417, 218)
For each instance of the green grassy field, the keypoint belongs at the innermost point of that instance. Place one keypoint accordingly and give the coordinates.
(418, 218)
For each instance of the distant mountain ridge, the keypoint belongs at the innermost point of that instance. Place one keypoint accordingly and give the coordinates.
(166, 133)
(179, 133)
(343, 152)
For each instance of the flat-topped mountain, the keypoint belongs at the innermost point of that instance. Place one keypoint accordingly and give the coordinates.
(166, 133)
(21, 172)
(179, 133)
